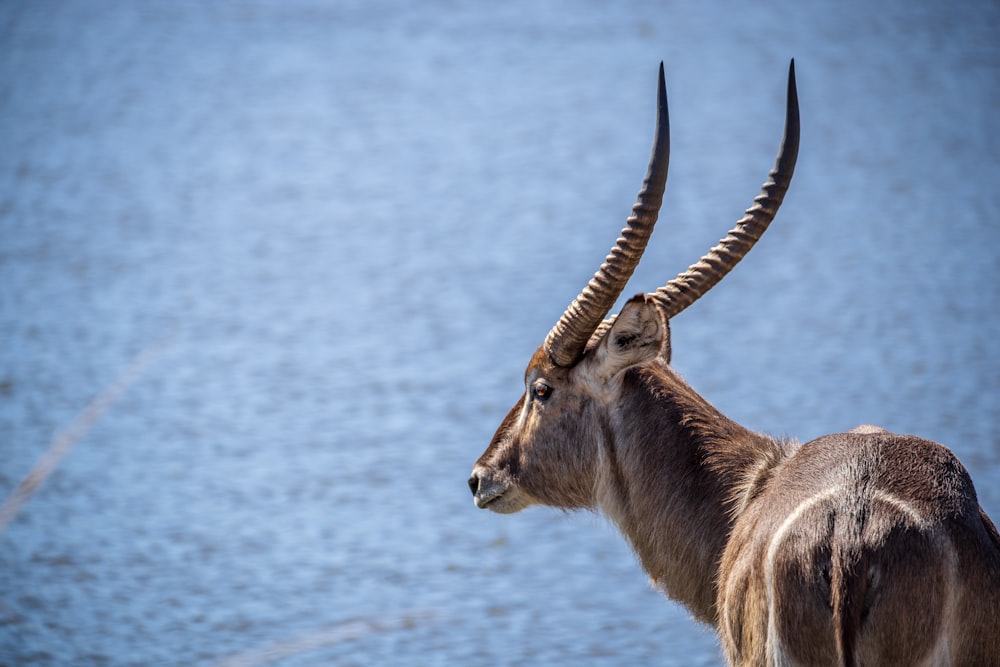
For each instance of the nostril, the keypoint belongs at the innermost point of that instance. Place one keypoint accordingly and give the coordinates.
(474, 484)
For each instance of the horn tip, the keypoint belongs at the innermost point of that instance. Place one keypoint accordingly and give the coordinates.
(792, 89)
(792, 110)
(661, 87)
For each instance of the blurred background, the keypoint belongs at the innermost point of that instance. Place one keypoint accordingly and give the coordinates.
(301, 252)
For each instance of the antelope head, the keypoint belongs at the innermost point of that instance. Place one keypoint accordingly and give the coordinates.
(546, 450)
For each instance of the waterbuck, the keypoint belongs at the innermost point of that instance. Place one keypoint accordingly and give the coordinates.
(860, 548)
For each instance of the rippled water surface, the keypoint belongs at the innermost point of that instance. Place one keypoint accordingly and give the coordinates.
(338, 230)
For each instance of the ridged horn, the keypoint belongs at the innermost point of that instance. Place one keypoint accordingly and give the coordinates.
(702, 276)
(566, 341)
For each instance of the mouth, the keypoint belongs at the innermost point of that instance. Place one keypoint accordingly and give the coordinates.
(484, 502)
(506, 501)
(496, 492)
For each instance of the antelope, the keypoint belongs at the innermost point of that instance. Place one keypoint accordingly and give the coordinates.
(859, 548)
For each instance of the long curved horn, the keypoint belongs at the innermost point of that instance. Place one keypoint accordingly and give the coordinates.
(567, 339)
(702, 276)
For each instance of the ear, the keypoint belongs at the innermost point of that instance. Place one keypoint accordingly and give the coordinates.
(636, 336)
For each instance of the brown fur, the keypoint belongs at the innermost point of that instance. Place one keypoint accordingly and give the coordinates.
(853, 549)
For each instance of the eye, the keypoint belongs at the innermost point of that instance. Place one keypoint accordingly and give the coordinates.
(541, 390)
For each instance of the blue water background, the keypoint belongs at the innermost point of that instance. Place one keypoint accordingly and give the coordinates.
(350, 224)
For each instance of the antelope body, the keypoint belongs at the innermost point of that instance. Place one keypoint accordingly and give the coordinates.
(861, 548)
